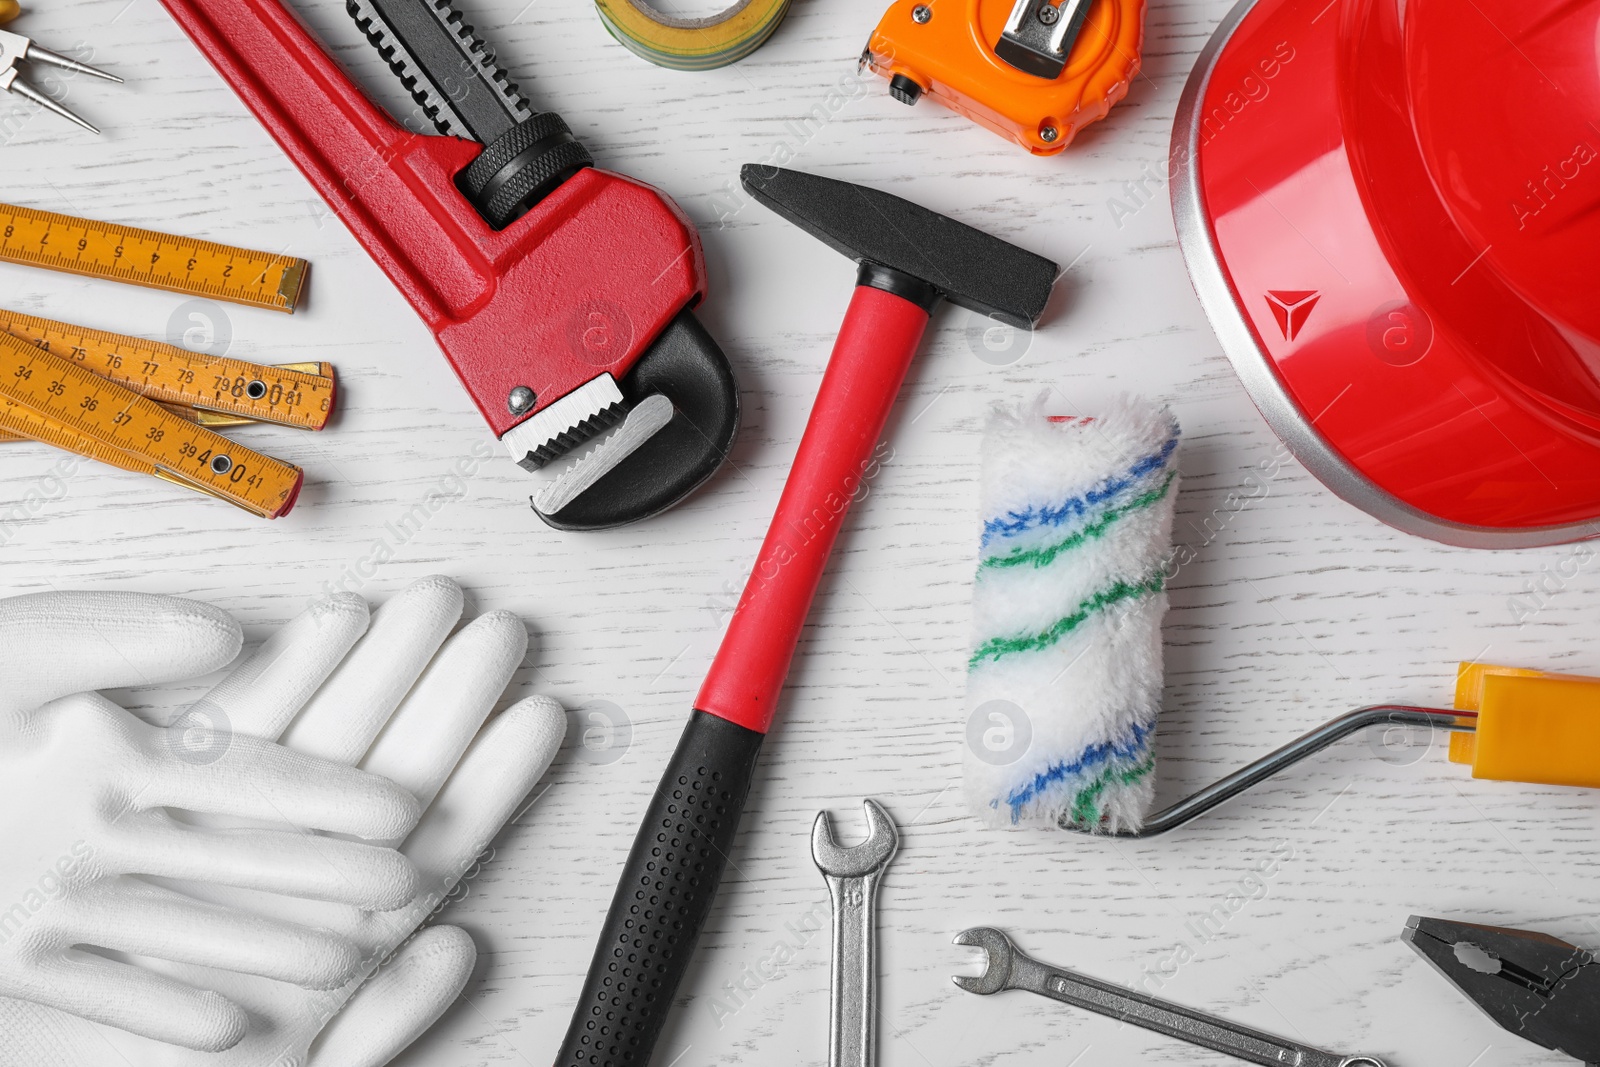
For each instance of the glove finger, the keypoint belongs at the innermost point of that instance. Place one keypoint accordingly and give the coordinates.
(341, 720)
(259, 697)
(491, 782)
(296, 865)
(140, 1001)
(127, 915)
(398, 1004)
(443, 712)
(61, 643)
(255, 779)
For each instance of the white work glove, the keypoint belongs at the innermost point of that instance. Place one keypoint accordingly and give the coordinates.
(86, 791)
(399, 705)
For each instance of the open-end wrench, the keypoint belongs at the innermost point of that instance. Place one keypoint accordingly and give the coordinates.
(853, 875)
(1008, 967)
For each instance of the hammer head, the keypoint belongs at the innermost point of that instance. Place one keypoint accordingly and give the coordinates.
(968, 267)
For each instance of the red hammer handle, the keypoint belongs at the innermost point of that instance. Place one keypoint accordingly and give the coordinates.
(880, 335)
(669, 880)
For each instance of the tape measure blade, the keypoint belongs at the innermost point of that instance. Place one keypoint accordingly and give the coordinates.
(111, 415)
(149, 258)
(291, 395)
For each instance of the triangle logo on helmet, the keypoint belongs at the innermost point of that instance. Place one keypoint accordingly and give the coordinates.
(1291, 308)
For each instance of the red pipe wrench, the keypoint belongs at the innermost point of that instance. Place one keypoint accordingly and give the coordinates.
(560, 293)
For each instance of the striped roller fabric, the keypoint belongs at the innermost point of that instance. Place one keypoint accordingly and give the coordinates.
(1064, 680)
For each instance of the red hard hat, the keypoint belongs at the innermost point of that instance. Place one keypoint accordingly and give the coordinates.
(1390, 210)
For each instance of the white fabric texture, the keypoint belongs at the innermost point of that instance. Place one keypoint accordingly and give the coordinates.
(87, 795)
(1064, 680)
(406, 701)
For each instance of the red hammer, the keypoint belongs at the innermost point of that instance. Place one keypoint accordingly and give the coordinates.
(910, 259)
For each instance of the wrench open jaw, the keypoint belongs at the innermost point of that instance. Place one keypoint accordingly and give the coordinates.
(998, 955)
(872, 856)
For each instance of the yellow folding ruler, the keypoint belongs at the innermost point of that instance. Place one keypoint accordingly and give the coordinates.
(149, 407)
(145, 257)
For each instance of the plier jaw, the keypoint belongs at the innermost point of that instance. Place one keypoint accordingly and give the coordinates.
(1535, 986)
(16, 49)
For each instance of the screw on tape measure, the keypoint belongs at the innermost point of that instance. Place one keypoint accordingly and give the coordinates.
(52, 399)
(692, 44)
(144, 257)
(220, 391)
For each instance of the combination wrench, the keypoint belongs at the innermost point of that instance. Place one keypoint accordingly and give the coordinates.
(1008, 967)
(853, 875)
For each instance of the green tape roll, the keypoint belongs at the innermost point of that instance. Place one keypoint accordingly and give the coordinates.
(692, 44)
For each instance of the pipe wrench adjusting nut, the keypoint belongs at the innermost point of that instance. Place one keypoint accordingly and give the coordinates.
(520, 167)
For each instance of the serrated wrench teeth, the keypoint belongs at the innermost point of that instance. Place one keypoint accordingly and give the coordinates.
(594, 406)
(647, 418)
(448, 70)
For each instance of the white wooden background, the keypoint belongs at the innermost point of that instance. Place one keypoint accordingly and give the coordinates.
(1295, 608)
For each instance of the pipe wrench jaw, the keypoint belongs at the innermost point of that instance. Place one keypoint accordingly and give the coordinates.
(682, 412)
(587, 318)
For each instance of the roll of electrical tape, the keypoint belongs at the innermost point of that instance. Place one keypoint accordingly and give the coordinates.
(692, 44)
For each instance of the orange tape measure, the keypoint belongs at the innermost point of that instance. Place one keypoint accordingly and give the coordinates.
(52, 399)
(210, 390)
(145, 257)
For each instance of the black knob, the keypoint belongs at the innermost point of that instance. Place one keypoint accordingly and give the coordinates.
(520, 167)
(904, 89)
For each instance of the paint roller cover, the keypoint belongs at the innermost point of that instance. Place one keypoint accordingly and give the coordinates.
(1064, 680)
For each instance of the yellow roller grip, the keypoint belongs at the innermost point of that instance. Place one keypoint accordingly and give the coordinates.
(691, 44)
(1533, 726)
(9, 9)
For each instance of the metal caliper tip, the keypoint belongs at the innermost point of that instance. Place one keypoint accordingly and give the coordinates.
(998, 952)
(870, 856)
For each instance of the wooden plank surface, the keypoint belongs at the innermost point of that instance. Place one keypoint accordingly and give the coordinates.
(1295, 606)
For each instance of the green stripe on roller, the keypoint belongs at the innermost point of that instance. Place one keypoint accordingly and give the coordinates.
(996, 647)
(1086, 804)
(1046, 554)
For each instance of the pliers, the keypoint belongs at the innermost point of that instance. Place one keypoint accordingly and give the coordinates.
(15, 49)
(1534, 985)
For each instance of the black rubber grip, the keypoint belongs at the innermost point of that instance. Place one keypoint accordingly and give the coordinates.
(665, 893)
